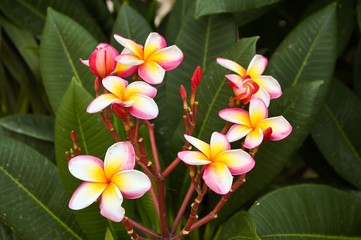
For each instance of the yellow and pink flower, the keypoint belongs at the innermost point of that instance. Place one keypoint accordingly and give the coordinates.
(255, 124)
(250, 83)
(220, 161)
(109, 181)
(152, 60)
(137, 98)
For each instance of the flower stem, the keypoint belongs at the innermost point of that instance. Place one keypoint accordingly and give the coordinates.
(150, 127)
(143, 229)
(128, 226)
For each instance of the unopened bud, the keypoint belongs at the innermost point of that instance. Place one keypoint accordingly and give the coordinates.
(102, 61)
(183, 94)
(119, 110)
(196, 78)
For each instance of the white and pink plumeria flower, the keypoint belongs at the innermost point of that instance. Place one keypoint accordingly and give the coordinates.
(268, 87)
(108, 181)
(137, 97)
(255, 124)
(219, 160)
(152, 60)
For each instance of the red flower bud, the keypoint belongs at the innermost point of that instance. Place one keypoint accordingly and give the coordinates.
(196, 78)
(183, 92)
(102, 61)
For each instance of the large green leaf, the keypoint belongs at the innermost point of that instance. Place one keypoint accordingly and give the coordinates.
(63, 43)
(308, 212)
(238, 227)
(93, 139)
(33, 201)
(130, 24)
(298, 105)
(205, 7)
(337, 133)
(357, 66)
(32, 14)
(201, 41)
(309, 51)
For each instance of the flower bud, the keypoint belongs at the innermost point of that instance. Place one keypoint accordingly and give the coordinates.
(196, 78)
(102, 61)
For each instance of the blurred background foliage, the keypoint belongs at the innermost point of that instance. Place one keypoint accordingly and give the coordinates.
(307, 186)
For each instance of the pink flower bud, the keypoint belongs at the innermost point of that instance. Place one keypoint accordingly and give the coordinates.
(102, 61)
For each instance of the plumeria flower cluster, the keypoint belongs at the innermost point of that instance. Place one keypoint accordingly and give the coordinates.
(127, 81)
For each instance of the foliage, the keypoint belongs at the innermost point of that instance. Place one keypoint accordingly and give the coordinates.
(306, 186)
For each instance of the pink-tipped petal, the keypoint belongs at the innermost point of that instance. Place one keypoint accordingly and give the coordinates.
(253, 138)
(129, 44)
(235, 79)
(140, 87)
(281, 128)
(144, 107)
(101, 102)
(263, 95)
(235, 115)
(257, 111)
(237, 161)
(85, 62)
(119, 157)
(200, 145)
(111, 204)
(233, 66)
(168, 58)
(128, 60)
(151, 72)
(270, 84)
(237, 132)
(87, 168)
(115, 85)
(124, 71)
(132, 183)
(219, 143)
(218, 178)
(86, 194)
(257, 66)
(194, 158)
(154, 42)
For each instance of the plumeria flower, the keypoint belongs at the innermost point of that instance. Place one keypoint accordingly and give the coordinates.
(243, 80)
(137, 97)
(255, 124)
(219, 160)
(108, 181)
(152, 60)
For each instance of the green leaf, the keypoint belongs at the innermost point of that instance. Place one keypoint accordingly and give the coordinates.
(205, 7)
(31, 14)
(63, 43)
(238, 227)
(309, 51)
(33, 201)
(308, 212)
(130, 24)
(337, 133)
(93, 139)
(299, 105)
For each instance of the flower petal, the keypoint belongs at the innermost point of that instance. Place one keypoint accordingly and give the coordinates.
(85, 62)
(237, 132)
(194, 158)
(115, 85)
(144, 107)
(257, 111)
(128, 60)
(101, 102)
(263, 95)
(151, 72)
(132, 183)
(218, 178)
(219, 143)
(233, 66)
(270, 84)
(154, 42)
(253, 138)
(140, 87)
(119, 157)
(281, 128)
(111, 204)
(124, 71)
(86, 194)
(237, 161)
(87, 168)
(168, 58)
(200, 145)
(236, 79)
(129, 44)
(257, 66)
(235, 115)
